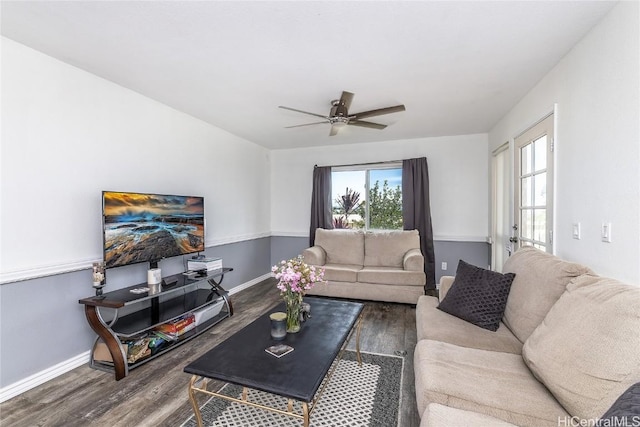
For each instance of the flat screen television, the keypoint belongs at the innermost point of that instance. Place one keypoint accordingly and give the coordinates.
(142, 227)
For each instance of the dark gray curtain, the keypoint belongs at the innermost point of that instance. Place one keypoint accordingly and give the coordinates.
(416, 211)
(320, 201)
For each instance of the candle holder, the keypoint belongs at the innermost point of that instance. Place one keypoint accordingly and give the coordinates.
(98, 276)
(278, 325)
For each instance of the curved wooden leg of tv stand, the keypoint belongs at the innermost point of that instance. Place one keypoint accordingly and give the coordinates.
(109, 338)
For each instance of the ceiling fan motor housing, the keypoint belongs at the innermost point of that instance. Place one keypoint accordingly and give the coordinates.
(338, 109)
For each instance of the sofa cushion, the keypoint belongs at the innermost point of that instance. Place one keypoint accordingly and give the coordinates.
(387, 248)
(489, 382)
(341, 272)
(540, 280)
(587, 349)
(434, 324)
(478, 296)
(368, 291)
(391, 276)
(341, 246)
(445, 416)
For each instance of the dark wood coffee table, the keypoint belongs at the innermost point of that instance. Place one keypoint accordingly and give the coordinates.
(242, 358)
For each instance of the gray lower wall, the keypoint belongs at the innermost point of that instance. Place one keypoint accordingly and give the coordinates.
(287, 247)
(476, 253)
(42, 324)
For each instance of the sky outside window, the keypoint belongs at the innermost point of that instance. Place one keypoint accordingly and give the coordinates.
(355, 180)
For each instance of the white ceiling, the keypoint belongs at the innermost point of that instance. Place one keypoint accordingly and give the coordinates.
(458, 67)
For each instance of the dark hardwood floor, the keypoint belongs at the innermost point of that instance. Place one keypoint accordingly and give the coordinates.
(155, 394)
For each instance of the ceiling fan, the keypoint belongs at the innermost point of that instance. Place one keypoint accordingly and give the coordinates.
(339, 115)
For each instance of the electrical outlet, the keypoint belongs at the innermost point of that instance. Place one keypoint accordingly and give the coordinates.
(444, 266)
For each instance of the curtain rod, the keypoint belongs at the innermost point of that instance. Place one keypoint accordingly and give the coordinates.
(360, 164)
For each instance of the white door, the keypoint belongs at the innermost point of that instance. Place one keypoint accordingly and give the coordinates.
(533, 189)
(501, 198)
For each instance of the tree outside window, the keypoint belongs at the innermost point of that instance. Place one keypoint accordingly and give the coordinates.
(368, 198)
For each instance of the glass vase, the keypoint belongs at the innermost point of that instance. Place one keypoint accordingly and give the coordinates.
(294, 305)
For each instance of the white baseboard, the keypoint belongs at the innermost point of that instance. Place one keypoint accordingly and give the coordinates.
(248, 284)
(42, 377)
(45, 375)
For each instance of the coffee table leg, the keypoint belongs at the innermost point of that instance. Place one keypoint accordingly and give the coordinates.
(305, 412)
(194, 401)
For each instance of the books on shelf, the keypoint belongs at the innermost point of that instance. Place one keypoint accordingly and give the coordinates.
(208, 264)
(179, 326)
(279, 350)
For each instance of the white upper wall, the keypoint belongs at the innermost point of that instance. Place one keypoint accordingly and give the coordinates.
(597, 91)
(68, 134)
(458, 177)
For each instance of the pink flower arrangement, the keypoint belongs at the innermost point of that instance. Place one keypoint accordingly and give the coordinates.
(295, 276)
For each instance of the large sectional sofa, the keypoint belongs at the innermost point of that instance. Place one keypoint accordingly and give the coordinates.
(378, 266)
(567, 347)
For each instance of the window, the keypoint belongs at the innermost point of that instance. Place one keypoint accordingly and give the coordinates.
(367, 197)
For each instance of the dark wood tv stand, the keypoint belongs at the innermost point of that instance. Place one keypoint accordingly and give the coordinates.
(142, 312)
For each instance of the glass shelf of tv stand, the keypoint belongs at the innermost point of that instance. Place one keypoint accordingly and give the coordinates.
(178, 283)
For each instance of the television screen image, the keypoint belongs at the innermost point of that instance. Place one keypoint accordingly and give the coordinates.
(149, 227)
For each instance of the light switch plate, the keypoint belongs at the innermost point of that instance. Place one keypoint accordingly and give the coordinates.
(576, 230)
(606, 232)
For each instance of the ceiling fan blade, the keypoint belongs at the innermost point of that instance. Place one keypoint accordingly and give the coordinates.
(378, 112)
(306, 124)
(366, 124)
(334, 130)
(346, 99)
(303, 112)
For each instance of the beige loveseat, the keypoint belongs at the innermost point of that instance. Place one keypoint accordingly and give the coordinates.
(567, 347)
(380, 266)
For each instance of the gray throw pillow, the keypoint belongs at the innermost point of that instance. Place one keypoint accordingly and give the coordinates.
(478, 296)
(625, 412)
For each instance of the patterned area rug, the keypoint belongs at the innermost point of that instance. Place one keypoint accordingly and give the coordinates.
(356, 396)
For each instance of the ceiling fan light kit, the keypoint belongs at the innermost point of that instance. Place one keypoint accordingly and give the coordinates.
(339, 116)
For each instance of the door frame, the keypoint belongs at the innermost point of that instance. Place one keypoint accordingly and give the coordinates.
(551, 231)
(511, 148)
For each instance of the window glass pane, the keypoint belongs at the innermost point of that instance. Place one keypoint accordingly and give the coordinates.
(526, 191)
(380, 201)
(525, 159)
(541, 247)
(540, 225)
(385, 199)
(540, 188)
(540, 151)
(526, 224)
(348, 197)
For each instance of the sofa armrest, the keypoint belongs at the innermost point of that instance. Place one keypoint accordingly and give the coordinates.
(314, 255)
(413, 260)
(445, 285)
